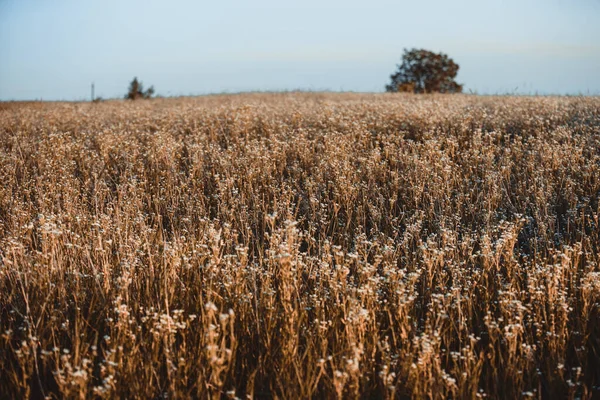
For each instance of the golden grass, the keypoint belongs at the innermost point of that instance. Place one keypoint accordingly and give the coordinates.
(301, 245)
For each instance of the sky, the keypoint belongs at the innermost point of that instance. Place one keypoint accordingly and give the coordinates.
(54, 50)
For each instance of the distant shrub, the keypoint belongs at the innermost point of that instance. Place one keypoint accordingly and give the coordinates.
(406, 87)
(136, 90)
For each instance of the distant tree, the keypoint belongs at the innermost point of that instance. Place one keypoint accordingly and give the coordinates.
(136, 90)
(423, 71)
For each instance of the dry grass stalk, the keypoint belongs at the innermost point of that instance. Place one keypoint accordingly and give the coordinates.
(301, 245)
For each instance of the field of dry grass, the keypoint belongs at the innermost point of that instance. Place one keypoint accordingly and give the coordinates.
(301, 246)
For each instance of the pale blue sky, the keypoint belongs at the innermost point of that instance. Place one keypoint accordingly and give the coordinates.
(55, 49)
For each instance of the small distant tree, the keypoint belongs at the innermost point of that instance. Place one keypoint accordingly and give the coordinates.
(136, 90)
(423, 71)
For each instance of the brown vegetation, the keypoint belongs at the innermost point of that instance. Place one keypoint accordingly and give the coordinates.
(301, 245)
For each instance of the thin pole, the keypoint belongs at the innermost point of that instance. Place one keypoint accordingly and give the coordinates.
(92, 91)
